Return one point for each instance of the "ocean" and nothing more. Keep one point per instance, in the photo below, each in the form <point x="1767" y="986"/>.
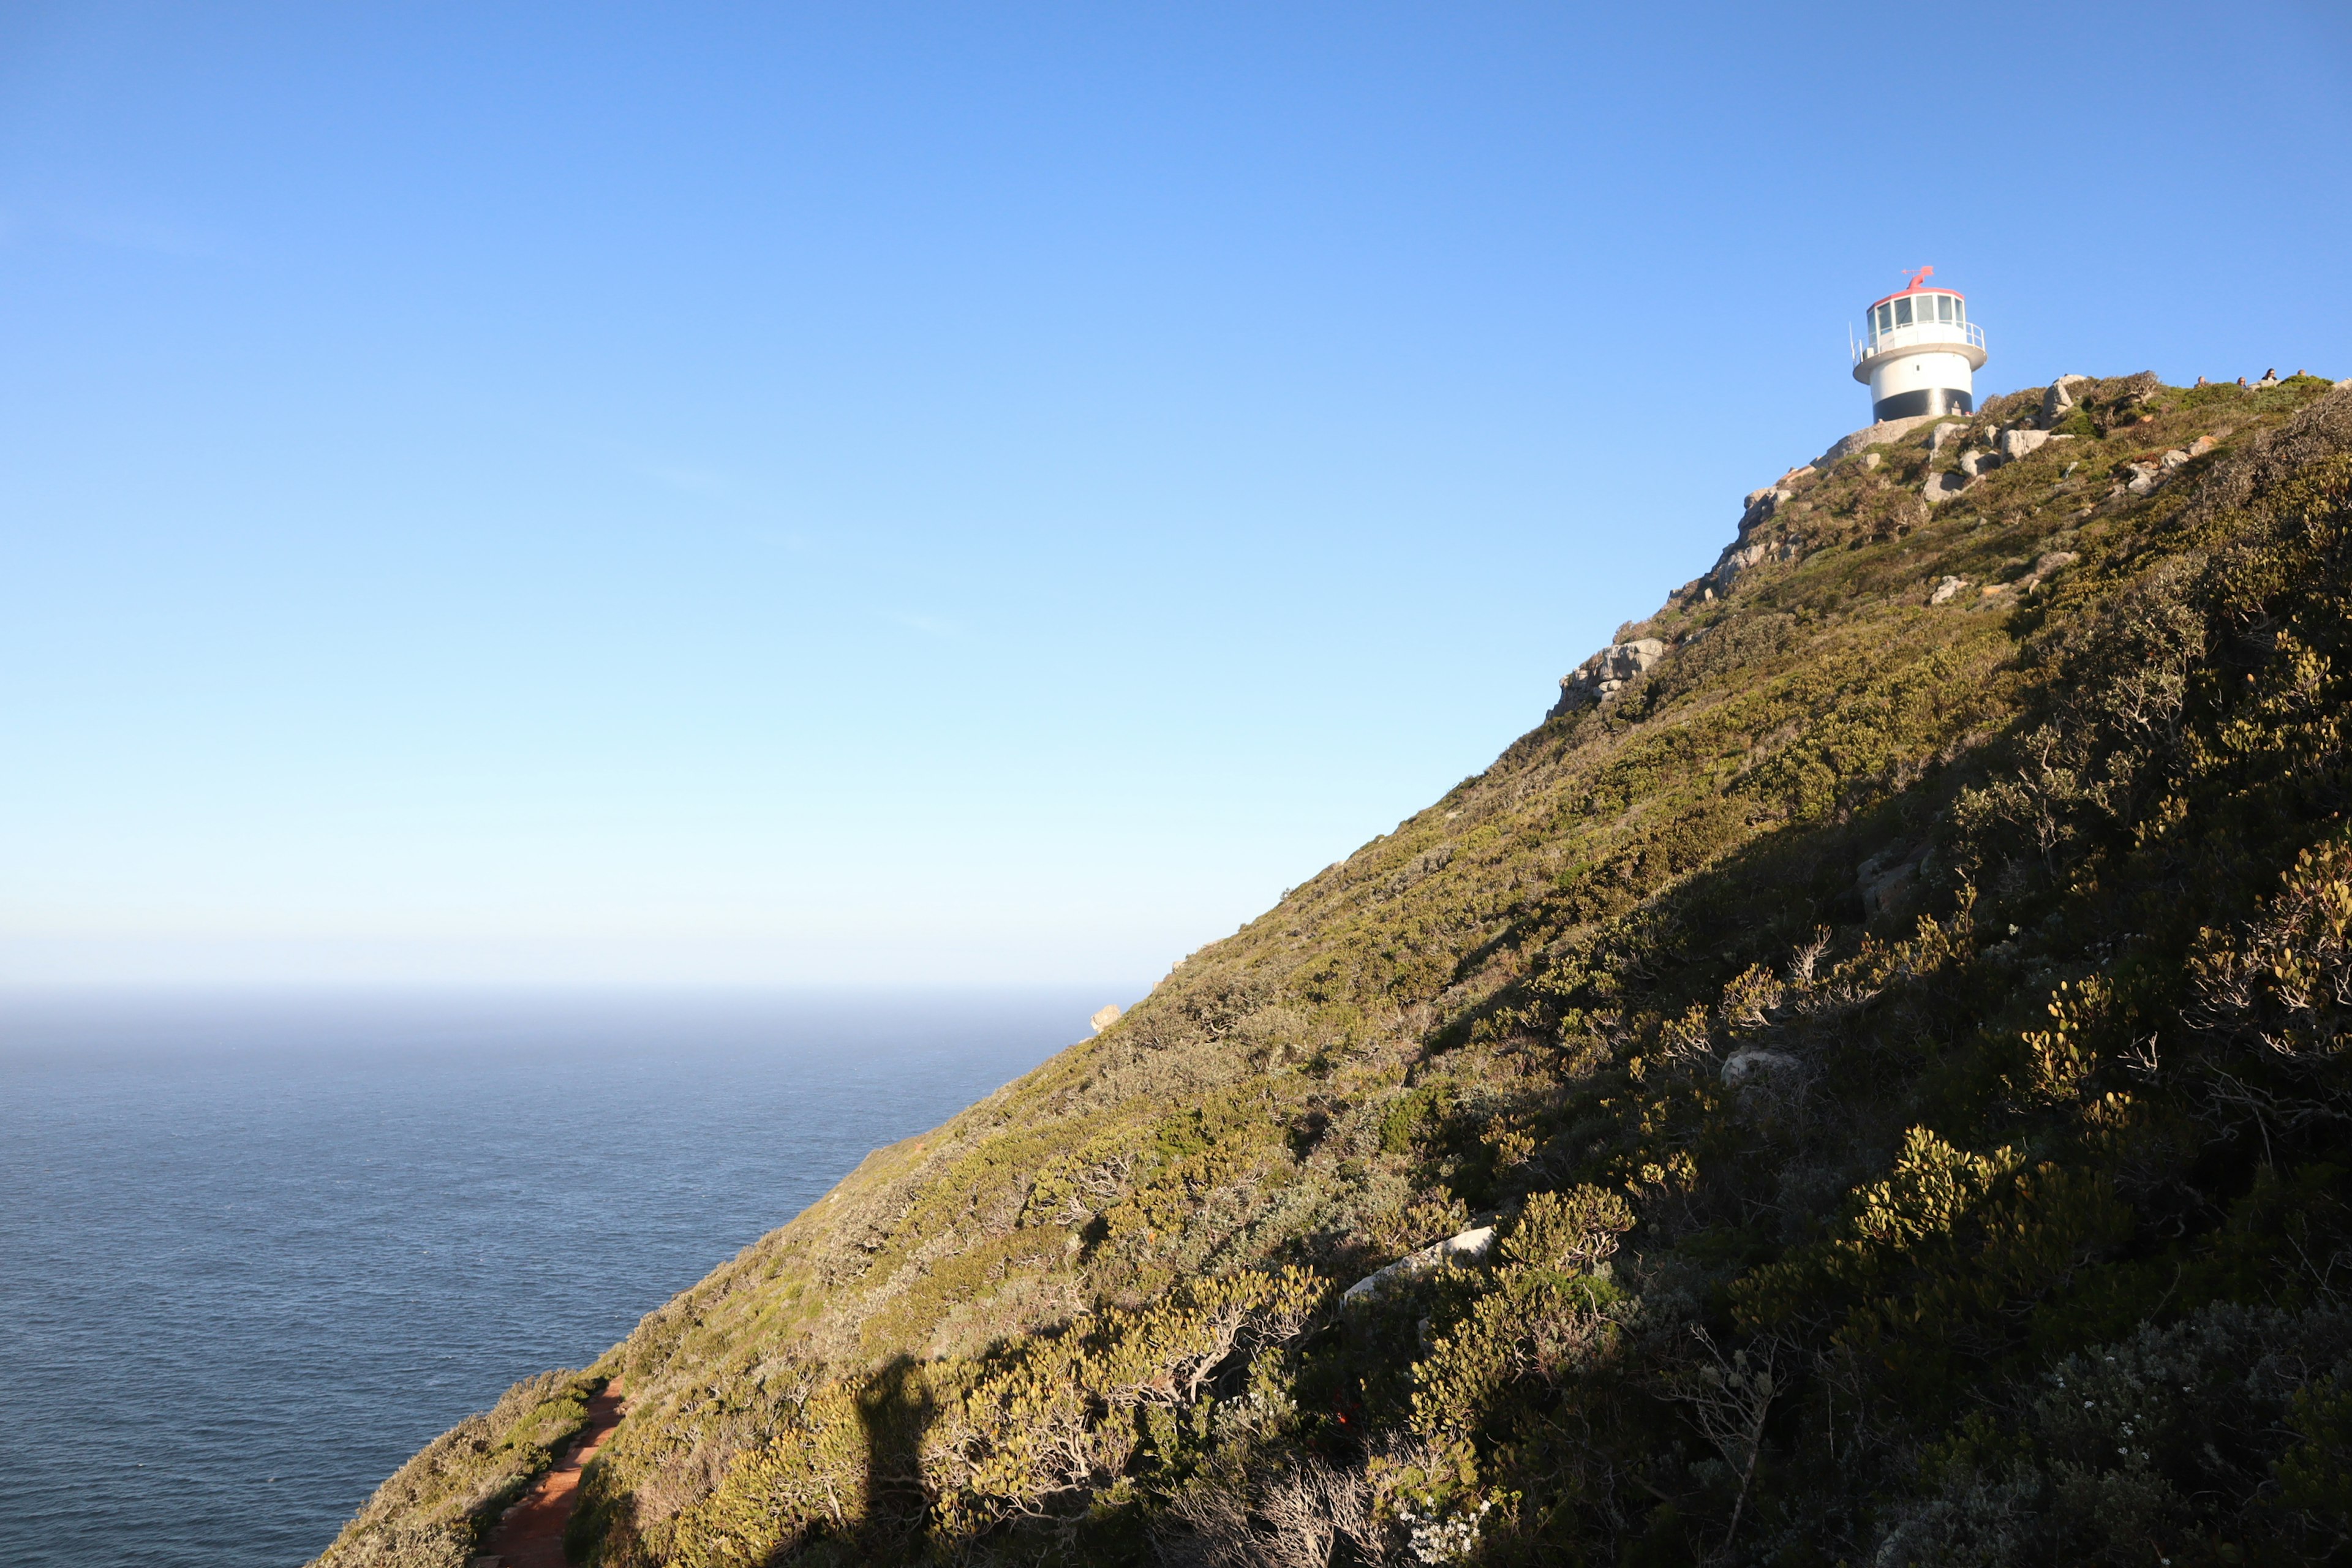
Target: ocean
<point x="254" y="1251"/>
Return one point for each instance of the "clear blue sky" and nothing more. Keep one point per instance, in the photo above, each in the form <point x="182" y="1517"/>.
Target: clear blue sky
<point x="769" y="494"/>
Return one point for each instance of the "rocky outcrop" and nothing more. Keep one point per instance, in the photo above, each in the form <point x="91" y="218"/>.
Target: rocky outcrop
<point x="1105" y="1018"/>
<point x="1605" y="674"/>
<point x="1872" y="436"/>
<point x="1470" y="1247"/>
<point x="1948" y="590"/>
<point x="1939" y="487"/>
<point x="1756" y="1064"/>
<point x="2049" y="566"/>
<point x="2016" y="444"/>
<point x="1886" y="881"/>
<point x="1759" y="505"/>
<point x="2009" y="445"/>
<point x="2058" y="399"/>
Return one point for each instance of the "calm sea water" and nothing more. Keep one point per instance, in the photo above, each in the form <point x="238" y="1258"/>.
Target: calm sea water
<point x="253" y="1252"/>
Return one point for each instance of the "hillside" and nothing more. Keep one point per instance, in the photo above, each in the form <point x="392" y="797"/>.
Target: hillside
<point x="1889" y="1016"/>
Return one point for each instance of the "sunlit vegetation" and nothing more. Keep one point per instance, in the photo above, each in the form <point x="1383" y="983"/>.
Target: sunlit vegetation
<point x="1900" y="1046"/>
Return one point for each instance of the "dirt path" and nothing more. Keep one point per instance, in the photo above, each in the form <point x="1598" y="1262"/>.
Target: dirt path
<point x="531" y="1533"/>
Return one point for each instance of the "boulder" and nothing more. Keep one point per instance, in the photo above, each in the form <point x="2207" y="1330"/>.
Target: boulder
<point x="1105" y="1018"/>
<point x="1755" y="1063"/>
<point x="1944" y="434"/>
<point x="1469" y="1247"/>
<point x="2049" y="566"/>
<point x="2016" y="444"/>
<point x="1760" y="506"/>
<point x="2057" y="399"/>
<point x="1872" y="436"/>
<point x="1946" y="590"/>
<point x="1606" y="673"/>
<point x="1941" y="487"/>
<point x="1886" y="880"/>
<point x="1976" y="465"/>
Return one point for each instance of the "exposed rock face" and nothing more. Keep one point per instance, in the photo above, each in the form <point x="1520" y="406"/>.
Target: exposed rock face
<point x="1941" y="487"/>
<point x="1760" y="507"/>
<point x="1871" y="436"/>
<point x="1104" y="1018"/>
<point x="2015" y="444"/>
<point x="2049" y="566"/>
<point x="2057" y="399"/>
<point x="1756" y="1063"/>
<point x="1946" y="590"/>
<point x="1604" y="675"/>
<point x="1886" y="881"/>
<point x="1944" y="435"/>
<point x="1974" y="465"/>
<point x="1468" y="1248"/>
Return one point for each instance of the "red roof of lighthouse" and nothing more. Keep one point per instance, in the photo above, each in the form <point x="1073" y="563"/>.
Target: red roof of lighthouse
<point x="1919" y="285"/>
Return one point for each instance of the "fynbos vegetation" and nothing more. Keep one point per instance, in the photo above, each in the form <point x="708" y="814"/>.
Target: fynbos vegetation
<point x="1898" y="1038"/>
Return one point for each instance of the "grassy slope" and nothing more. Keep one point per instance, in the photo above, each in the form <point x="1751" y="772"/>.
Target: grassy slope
<point x="2017" y="1106"/>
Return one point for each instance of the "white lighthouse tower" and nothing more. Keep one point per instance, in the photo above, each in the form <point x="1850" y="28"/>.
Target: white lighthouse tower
<point x="1919" y="353"/>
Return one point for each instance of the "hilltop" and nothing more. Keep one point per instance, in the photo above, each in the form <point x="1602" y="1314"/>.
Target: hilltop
<point x="1860" y="1081"/>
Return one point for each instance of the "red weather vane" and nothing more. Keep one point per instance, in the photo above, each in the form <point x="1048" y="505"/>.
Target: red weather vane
<point x="1917" y="279"/>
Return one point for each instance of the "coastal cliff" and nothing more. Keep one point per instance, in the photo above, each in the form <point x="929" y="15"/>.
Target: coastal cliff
<point x="1862" y="1080"/>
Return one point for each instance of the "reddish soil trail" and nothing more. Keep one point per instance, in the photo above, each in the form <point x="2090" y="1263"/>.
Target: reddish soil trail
<point x="531" y="1533"/>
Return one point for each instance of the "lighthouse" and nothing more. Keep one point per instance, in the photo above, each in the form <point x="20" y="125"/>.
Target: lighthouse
<point x="1919" y="353"/>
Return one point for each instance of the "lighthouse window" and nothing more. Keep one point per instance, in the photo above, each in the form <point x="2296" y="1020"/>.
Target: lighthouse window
<point x="1901" y="313"/>
<point x="1887" y="318"/>
<point x="1943" y="307"/>
<point x="1960" y="309"/>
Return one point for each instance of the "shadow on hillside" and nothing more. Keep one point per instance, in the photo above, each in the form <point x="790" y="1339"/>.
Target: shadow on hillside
<point x="896" y="1408"/>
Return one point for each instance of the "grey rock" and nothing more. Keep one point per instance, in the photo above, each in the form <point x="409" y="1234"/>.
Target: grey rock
<point x="1872" y="436"/>
<point x="2016" y="444"/>
<point x="2049" y="566"/>
<point x="1755" y="1062"/>
<point x="1944" y="435"/>
<point x="2057" y="399"/>
<point x="1976" y="465"/>
<point x="1469" y="1247"/>
<point x="1761" y="505"/>
<point x="1886" y="879"/>
<point x="1607" y="672"/>
<point x="1946" y="590"/>
<point x="1941" y="487"/>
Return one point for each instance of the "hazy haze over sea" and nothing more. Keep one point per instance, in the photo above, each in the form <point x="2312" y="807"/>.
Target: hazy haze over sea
<point x="257" y="1250"/>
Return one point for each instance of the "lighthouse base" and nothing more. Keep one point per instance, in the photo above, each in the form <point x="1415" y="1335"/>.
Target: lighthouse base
<point x="1926" y="401"/>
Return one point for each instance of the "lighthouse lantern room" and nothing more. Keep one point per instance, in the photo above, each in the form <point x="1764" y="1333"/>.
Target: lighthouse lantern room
<point x="1919" y="353"/>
